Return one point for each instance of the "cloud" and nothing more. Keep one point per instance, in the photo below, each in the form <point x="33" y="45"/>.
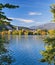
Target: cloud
<point x="35" y="13"/>
<point x="23" y="20"/>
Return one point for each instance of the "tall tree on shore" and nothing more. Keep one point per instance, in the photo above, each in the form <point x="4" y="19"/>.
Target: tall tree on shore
<point x="5" y="57"/>
<point x="49" y="52"/>
<point x="53" y="11"/>
<point x="2" y="14"/>
<point x="3" y="18"/>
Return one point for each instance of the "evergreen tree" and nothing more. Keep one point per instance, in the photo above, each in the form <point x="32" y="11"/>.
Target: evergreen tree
<point x="3" y="17"/>
<point x="53" y="11"/>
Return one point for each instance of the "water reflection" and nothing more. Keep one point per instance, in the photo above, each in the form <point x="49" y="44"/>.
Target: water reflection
<point x="49" y="52"/>
<point x="26" y="49"/>
<point x="5" y="57"/>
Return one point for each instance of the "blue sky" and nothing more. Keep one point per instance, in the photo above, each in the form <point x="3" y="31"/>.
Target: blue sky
<point x="30" y="12"/>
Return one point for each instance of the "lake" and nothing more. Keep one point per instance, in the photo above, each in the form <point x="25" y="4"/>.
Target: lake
<point x="25" y="49"/>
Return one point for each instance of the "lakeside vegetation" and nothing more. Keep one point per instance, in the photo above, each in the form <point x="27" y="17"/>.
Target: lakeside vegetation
<point x="49" y="45"/>
<point x="25" y="32"/>
<point x="28" y="32"/>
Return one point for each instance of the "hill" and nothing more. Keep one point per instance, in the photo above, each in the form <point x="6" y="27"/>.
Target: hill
<point x="47" y="26"/>
<point x="21" y="27"/>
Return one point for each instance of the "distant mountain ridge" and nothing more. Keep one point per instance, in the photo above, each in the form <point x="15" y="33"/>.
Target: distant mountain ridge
<point x="21" y="27"/>
<point x="47" y="26"/>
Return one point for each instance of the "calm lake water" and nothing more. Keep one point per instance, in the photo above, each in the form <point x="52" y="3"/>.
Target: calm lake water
<point x="25" y="49"/>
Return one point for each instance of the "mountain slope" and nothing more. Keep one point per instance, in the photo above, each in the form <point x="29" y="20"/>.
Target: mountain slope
<point x="21" y="27"/>
<point x="45" y="26"/>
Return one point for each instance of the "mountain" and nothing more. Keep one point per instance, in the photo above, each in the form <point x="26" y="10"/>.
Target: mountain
<point x="47" y="26"/>
<point x="8" y="26"/>
<point x="21" y="27"/>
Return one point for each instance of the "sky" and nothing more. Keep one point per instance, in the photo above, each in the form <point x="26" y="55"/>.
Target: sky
<point x="30" y="12"/>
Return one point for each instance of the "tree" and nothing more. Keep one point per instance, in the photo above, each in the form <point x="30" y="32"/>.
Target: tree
<point x="53" y="11"/>
<point x="5" y="58"/>
<point x="49" y="52"/>
<point x="3" y="17"/>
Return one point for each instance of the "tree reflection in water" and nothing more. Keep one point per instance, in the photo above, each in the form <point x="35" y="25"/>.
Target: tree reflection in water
<point x="5" y="57"/>
<point x="49" y="52"/>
